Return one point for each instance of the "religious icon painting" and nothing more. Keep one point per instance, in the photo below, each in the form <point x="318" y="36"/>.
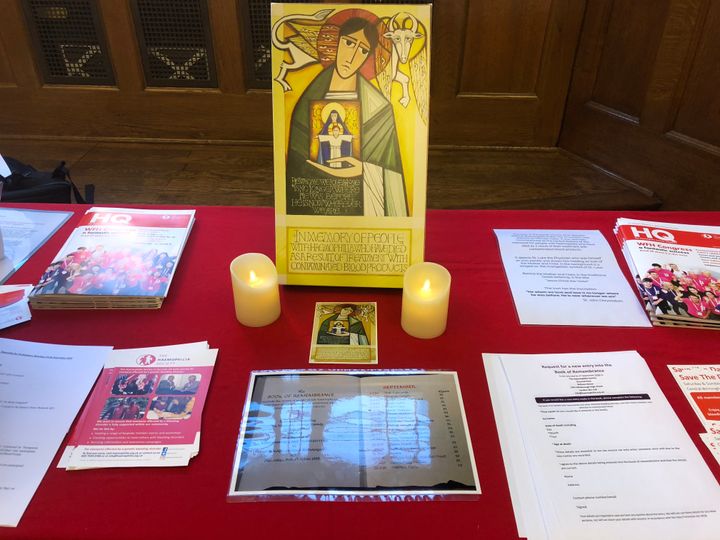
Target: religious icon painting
<point x="351" y="90"/>
<point x="335" y="132"/>
<point x="344" y="333"/>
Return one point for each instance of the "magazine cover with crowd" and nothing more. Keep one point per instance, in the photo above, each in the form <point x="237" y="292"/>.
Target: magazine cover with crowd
<point x="116" y="252"/>
<point x="676" y="268"/>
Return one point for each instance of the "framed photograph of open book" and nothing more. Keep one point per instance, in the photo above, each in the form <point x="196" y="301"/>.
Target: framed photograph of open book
<point x="353" y="433"/>
<point x="351" y="89"/>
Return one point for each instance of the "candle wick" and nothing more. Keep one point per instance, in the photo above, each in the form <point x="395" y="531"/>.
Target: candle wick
<point x="426" y="286"/>
<point x="253" y="277"/>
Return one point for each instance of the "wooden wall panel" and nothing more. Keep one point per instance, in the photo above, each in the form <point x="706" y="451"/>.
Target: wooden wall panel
<point x="634" y="29"/>
<point x="699" y="113"/>
<point x="500" y="75"/>
<point x="14" y="35"/>
<point x="7" y="78"/>
<point x="671" y="144"/>
<point x="225" y="22"/>
<point x="504" y="45"/>
<point x="123" y="48"/>
<point x="672" y="62"/>
<point x="516" y="101"/>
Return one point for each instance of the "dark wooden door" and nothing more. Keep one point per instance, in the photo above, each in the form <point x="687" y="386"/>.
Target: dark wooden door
<point x="644" y="101"/>
<point x="115" y="69"/>
<point x="501" y="70"/>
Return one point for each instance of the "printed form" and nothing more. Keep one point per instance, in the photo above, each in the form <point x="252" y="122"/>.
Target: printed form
<point x="42" y="387"/>
<point x="593" y="450"/>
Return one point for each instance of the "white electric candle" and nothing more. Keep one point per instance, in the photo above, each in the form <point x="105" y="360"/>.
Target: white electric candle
<point x="426" y="293"/>
<point x="255" y="289"/>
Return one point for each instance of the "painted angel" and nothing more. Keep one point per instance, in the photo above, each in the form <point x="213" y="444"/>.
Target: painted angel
<point x="402" y="39"/>
<point x="352" y="47"/>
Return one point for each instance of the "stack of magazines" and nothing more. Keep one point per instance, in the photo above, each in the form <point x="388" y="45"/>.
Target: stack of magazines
<point x="677" y="270"/>
<point x="116" y="258"/>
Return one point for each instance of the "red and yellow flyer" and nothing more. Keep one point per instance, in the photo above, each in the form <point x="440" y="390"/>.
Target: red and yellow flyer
<point x="701" y="386"/>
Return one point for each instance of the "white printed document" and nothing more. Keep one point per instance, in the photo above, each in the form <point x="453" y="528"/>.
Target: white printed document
<point x="594" y="451"/>
<point x="42" y="387"/>
<point x="567" y="277"/>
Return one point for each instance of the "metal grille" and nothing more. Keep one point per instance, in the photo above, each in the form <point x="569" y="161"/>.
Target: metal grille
<point x="257" y="27"/>
<point x="175" y="42"/>
<point x="69" y="41"/>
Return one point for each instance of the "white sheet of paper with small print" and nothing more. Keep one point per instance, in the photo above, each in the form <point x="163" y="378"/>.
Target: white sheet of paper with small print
<point x="567" y="277"/>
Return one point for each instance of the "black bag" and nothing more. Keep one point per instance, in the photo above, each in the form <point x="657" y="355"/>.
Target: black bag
<point x="26" y="184"/>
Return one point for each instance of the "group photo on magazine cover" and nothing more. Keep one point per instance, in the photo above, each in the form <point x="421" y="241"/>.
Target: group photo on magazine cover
<point x="668" y="289"/>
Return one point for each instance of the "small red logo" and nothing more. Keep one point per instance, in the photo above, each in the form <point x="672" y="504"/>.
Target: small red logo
<point x="146" y="360"/>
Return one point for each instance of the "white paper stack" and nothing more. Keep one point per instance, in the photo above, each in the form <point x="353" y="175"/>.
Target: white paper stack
<point x="677" y="269"/>
<point x="594" y="451"/>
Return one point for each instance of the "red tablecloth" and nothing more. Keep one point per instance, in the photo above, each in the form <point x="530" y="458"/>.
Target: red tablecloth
<point x="190" y="502"/>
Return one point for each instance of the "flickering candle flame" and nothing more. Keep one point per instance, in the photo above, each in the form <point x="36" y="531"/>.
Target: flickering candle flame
<point x="255" y="289"/>
<point x="426" y="294"/>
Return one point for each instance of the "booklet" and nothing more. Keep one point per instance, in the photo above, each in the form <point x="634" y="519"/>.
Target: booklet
<point x="122" y="258"/>
<point x="42" y="387"/>
<point x="567" y="277"/>
<point x="677" y="269"/>
<point x="593" y="450"/>
<point x="22" y="232"/>
<point x="344" y="333"/>
<point x="351" y="89"/>
<point x="145" y="410"/>
<point x="353" y="433"/>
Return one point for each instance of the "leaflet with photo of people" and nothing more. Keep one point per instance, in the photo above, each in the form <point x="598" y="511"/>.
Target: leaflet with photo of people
<point x="677" y="270"/>
<point x="145" y="410"/>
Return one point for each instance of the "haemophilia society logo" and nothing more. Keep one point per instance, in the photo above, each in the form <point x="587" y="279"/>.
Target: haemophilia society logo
<point x="146" y="360"/>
